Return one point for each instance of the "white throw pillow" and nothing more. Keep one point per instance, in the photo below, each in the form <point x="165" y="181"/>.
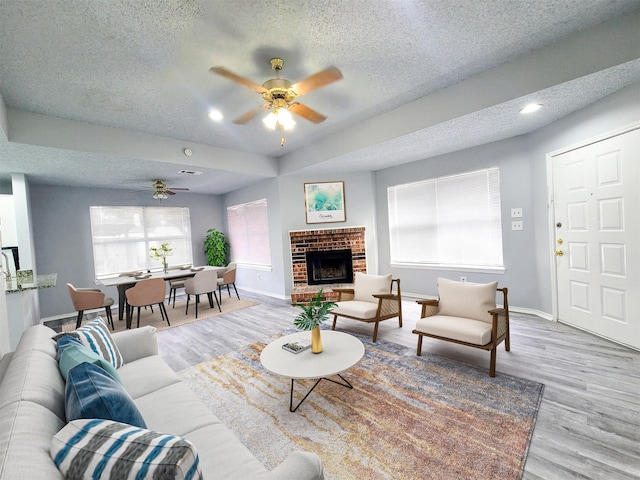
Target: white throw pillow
<point x="466" y="299"/>
<point x="366" y="285"/>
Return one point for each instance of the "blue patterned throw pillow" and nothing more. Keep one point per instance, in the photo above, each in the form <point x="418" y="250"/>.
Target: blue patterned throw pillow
<point x="91" y="392"/>
<point x="76" y="354"/>
<point x="95" y="335"/>
<point x="88" y="449"/>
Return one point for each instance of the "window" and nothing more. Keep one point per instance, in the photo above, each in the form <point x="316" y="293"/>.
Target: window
<point x="249" y="233"/>
<point x="122" y="237"/>
<point x="448" y="221"/>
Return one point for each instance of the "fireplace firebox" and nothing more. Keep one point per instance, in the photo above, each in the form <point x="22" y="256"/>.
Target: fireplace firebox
<point x="333" y="266"/>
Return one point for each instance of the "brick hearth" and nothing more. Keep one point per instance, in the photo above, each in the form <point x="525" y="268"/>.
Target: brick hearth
<point x="323" y="240"/>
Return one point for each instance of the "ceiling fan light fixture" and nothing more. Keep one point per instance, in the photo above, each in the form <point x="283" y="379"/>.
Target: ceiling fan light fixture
<point x="270" y="120"/>
<point x="215" y="115"/>
<point x="285" y="119"/>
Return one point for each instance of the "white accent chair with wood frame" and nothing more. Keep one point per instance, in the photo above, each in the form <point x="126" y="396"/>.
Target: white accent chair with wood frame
<point x="465" y="313"/>
<point x="372" y="299"/>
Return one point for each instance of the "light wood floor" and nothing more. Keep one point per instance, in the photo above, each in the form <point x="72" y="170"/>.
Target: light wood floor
<point x="588" y="426"/>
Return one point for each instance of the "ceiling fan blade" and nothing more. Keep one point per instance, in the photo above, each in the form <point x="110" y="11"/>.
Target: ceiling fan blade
<point x="179" y="189"/>
<point x="169" y="192"/>
<point x="307" y="113"/>
<point x="238" y="79"/>
<point x="242" y="119"/>
<point x="317" y="80"/>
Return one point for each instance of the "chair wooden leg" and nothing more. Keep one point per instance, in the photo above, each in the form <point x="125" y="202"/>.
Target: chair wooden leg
<point x="492" y="363"/>
<point x="79" y="319"/>
<point x="419" y="352"/>
<point x="333" y="327"/>
<point x="507" y="343"/>
<point x="400" y="320"/>
<point x="375" y="332"/>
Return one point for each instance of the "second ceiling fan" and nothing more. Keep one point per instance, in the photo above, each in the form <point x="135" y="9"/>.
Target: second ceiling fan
<point x="279" y="95"/>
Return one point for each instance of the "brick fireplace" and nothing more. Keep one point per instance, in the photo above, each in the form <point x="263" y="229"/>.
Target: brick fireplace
<point x="323" y="240"/>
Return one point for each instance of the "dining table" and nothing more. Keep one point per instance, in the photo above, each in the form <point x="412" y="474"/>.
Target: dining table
<point x="124" y="281"/>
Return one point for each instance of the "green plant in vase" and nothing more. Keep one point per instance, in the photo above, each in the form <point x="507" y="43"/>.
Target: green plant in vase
<point x="161" y="253"/>
<point x="313" y="314"/>
<point x="216" y="248"/>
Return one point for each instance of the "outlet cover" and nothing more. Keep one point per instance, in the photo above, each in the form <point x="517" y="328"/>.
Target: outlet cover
<point x="516" y="213"/>
<point x="517" y="225"/>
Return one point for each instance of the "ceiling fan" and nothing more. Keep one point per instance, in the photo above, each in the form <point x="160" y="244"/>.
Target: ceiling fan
<point x="162" y="192"/>
<point x="279" y="95"/>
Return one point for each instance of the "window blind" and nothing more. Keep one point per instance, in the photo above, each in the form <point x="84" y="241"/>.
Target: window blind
<point x="447" y="221"/>
<point x="248" y="225"/>
<point x="122" y="237"/>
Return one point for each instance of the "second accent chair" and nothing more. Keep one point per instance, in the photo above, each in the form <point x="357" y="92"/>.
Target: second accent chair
<point x="145" y="293"/>
<point x="372" y="299"/>
<point x="205" y="282"/>
<point x="465" y="313"/>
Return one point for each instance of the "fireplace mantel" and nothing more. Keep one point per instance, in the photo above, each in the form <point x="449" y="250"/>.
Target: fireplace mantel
<point x="317" y="240"/>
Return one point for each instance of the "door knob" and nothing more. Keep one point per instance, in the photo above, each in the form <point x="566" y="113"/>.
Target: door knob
<point x="558" y="253"/>
<point x="560" y="241"/>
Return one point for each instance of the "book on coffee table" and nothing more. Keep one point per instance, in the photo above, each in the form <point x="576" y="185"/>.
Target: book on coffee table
<point x="297" y="346"/>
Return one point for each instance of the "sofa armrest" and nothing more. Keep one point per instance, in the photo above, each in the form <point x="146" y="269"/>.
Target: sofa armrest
<point x="298" y="466"/>
<point x="136" y="343"/>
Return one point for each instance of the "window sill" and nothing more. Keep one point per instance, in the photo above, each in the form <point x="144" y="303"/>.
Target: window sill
<point x="451" y="268"/>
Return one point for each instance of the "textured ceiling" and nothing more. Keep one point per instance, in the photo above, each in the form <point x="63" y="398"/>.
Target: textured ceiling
<point x="142" y="66"/>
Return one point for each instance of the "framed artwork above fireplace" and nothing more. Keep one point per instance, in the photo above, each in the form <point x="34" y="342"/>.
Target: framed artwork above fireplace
<point x="324" y="202"/>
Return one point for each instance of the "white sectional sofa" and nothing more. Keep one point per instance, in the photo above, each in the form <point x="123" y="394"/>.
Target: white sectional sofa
<point x="32" y="411"/>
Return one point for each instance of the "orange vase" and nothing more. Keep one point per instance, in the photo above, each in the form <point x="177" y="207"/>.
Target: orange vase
<point x="316" y="340"/>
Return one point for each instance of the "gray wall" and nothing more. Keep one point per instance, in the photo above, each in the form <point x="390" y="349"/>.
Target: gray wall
<point x="523" y="183"/>
<point x="62" y="232"/>
<point x="285" y="200"/>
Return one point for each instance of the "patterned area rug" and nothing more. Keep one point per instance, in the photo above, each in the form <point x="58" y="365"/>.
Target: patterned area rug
<point x="408" y="417"/>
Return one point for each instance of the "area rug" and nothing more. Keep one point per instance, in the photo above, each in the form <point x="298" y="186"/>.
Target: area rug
<point x="177" y="315"/>
<point x="407" y="417"/>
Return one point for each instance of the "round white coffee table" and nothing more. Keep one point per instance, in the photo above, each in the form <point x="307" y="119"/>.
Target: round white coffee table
<point x="340" y="351"/>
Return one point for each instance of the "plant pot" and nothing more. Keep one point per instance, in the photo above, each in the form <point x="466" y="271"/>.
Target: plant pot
<point x="316" y="340"/>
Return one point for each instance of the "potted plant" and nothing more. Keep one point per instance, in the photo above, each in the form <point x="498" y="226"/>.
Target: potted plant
<point x="161" y="253"/>
<point x="313" y="314"/>
<point x="216" y="248"/>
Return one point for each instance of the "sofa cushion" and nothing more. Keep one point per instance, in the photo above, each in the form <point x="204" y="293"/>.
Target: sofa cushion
<point x="26" y="430"/>
<point x="93" y="393"/>
<point x="87" y="449"/>
<point x="356" y="308"/>
<point x="138" y="380"/>
<point x="32" y="374"/>
<point x="366" y="285"/>
<point x="95" y="335"/>
<point x="466" y="299"/>
<point x="76" y="354"/>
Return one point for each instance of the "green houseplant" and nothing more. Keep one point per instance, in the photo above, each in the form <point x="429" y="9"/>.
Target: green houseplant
<point x="313" y="314"/>
<point x="216" y="248"/>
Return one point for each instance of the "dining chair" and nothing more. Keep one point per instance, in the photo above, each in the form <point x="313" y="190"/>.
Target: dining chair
<point x="174" y="285"/>
<point x="146" y="293"/>
<point x="88" y="299"/>
<point x="204" y="282"/>
<point x="228" y="278"/>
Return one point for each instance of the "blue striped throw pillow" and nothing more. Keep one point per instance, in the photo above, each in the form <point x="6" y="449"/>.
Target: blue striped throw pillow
<point x="95" y="335"/>
<point x="90" y="449"/>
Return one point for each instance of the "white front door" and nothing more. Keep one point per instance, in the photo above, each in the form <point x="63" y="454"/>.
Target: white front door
<point x="596" y="202"/>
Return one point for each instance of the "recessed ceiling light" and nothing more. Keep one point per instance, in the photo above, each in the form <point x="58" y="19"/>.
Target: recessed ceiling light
<point x="215" y="115"/>
<point x="532" y="107"/>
